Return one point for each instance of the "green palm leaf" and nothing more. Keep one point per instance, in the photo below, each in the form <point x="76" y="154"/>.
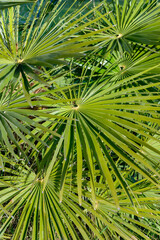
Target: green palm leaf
<point x="48" y="41"/>
<point x="134" y="21"/>
<point x="107" y="117"/>
<point x="43" y="207"/>
<point x="18" y="121"/>
<point x="44" y="211"/>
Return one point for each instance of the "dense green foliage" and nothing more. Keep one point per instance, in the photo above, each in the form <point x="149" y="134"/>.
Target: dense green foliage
<point x="79" y="120"/>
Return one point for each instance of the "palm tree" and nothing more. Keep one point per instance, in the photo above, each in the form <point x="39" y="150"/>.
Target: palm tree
<point x="79" y="122"/>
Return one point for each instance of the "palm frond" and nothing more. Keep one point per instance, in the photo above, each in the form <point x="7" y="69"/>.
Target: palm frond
<point x="45" y="41"/>
<point x="110" y="118"/>
<point x="27" y="202"/>
<point x="134" y="21"/>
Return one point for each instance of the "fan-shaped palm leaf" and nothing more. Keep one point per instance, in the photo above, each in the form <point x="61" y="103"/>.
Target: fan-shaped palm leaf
<point x="50" y="219"/>
<point x="110" y="117"/>
<point x="18" y="121"/>
<point x="134" y="21"/>
<point x="48" y="41"/>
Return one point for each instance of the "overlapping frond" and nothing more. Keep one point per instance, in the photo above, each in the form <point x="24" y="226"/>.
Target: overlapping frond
<point x="79" y="121"/>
